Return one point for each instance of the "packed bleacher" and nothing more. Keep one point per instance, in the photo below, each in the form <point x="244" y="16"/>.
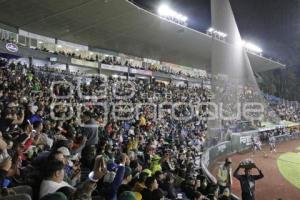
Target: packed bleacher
<point x="107" y="139"/>
<point x="138" y="155"/>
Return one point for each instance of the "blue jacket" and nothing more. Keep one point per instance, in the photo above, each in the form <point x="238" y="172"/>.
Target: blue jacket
<point x="112" y="190"/>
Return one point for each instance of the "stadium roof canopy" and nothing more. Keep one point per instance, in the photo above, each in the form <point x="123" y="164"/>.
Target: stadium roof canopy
<point x="119" y="26"/>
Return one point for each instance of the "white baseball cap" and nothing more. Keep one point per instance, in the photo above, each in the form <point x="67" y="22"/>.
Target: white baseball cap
<point x="64" y="150"/>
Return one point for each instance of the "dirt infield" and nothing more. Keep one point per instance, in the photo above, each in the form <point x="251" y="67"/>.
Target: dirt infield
<point x="273" y="185"/>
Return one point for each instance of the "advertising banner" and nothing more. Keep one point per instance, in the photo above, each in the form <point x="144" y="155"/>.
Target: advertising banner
<point x="140" y="71"/>
<point x="117" y="68"/>
<point x="84" y="63"/>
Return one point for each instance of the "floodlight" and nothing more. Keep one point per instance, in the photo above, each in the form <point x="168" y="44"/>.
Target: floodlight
<point x="59" y="46"/>
<point x="241" y="42"/>
<point x="216" y="33"/>
<point x="222" y="34"/>
<point x="252" y="47"/>
<point x="210" y="29"/>
<point x="165" y="11"/>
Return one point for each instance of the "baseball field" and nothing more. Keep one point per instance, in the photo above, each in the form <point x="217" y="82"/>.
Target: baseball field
<point x="281" y="171"/>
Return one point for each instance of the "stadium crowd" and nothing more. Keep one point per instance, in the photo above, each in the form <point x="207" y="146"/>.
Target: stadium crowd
<point x="121" y="142"/>
<point x="42" y="158"/>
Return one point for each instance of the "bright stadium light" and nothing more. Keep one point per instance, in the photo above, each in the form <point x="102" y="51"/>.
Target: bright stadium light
<point x="210" y="30"/>
<point x="184" y="18"/>
<point x="216" y="33"/>
<point x="165" y="11"/>
<point x="222" y="34"/>
<point x="251" y="47"/>
<point x="59" y="46"/>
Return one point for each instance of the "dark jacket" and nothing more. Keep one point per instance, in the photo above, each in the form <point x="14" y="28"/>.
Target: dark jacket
<point x="146" y="194"/>
<point x="248" y="184"/>
<point x="91" y="132"/>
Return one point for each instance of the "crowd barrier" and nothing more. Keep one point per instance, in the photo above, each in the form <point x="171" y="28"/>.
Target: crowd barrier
<point x="239" y="142"/>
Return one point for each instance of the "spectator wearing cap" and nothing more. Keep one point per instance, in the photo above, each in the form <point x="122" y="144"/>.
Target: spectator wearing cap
<point x="111" y="166"/>
<point x="108" y="178"/>
<point x="225" y="175"/>
<point x="65" y="152"/>
<point x="72" y="172"/>
<point x="112" y="190"/>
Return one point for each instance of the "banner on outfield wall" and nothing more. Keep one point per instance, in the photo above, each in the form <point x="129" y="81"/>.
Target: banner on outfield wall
<point x="241" y="141"/>
<point x="246" y="140"/>
<point x="84" y="63"/>
<point x="117" y="68"/>
<point x="140" y="71"/>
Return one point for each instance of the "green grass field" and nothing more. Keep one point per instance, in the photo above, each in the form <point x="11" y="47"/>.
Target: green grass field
<point x="289" y="166"/>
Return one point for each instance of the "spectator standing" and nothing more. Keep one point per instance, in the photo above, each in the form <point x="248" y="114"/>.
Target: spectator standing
<point x="90" y="129"/>
<point x="225" y="175"/>
<point x="247" y="182"/>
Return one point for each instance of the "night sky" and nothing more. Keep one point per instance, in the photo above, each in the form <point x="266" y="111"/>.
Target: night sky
<point x="274" y="25"/>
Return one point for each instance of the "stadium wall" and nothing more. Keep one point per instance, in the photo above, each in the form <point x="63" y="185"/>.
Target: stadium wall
<point x="239" y="142"/>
